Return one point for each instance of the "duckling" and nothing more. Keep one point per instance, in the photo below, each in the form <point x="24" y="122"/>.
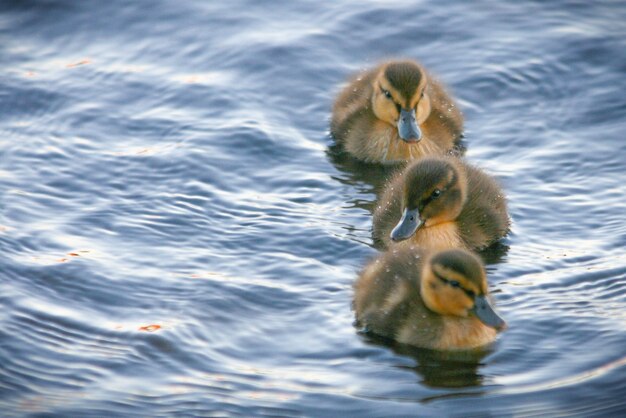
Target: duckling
<point x="442" y="202"/>
<point x="435" y="300"/>
<point x="396" y="112"/>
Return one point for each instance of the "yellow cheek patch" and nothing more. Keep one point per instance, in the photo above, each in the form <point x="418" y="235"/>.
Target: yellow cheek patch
<point x="384" y="108"/>
<point x="445" y="300"/>
<point x="423" y="109"/>
<point x="417" y="96"/>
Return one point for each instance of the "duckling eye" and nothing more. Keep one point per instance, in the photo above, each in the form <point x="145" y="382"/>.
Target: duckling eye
<point x="435" y="194"/>
<point x="454" y="283"/>
<point x="387" y="93"/>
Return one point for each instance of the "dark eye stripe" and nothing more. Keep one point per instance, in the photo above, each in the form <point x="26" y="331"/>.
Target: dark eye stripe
<point x="431" y="197"/>
<point x="441" y="278"/>
<point x="469" y="293"/>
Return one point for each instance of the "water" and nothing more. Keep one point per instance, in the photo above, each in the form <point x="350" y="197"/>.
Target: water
<point x="179" y="236"/>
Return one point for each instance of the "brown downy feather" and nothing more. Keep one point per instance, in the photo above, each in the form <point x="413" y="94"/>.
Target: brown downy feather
<point x="400" y="295"/>
<point x="368" y="137"/>
<point x="472" y="214"/>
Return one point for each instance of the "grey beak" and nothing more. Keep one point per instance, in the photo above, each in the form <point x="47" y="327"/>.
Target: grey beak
<point x="409" y="223"/>
<point x="407" y="126"/>
<point x="486" y="314"/>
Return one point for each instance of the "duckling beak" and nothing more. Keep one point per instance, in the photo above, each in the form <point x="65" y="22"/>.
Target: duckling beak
<point x="409" y="223"/>
<point x="483" y="310"/>
<point x="408" y="129"/>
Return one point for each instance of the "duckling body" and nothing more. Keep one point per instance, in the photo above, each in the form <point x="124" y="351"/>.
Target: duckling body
<point x="432" y="300"/>
<point x="395" y="112"/>
<point x="439" y="203"/>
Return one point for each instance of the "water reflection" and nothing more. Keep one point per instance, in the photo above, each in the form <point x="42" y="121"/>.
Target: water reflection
<point x="438" y="369"/>
<point x="374" y="175"/>
<point x="495" y="253"/>
<point x="359" y="173"/>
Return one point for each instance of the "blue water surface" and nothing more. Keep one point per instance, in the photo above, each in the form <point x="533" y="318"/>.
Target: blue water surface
<point x="179" y="237"/>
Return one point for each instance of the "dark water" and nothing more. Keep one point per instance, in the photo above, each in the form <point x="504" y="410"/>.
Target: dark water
<point x="177" y="239"/>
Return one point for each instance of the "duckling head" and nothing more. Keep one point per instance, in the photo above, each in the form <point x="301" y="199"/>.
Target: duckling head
<point x="454" y="283"/>
<point x="434" y="192"/>
<point x="399" y="98"/>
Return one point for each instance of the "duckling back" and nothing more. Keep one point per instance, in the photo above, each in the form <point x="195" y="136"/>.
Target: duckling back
<point x="484" y="218"/>
<point x="387" y="298"/>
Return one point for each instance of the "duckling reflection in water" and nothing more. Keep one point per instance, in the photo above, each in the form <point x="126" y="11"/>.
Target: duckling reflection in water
<point x="437" y="368"/>
<point x="432" y="300"/>
<point x="439" y="203"/>
<point x="396" y="112"/>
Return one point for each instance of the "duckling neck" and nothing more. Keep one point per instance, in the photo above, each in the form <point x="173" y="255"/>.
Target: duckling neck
<point x="463" y="333"/>
<point x="441" y="236"/>
<point x="387" y="146"/>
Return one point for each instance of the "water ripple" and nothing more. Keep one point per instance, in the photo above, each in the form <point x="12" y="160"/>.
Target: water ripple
<point x="180" y="236"/>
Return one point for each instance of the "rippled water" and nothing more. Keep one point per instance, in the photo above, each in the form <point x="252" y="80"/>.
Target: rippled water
<point x="179" y="236"/>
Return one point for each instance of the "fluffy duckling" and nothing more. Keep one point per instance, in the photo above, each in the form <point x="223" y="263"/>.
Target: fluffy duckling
<point x="431" y="300"/>
<point x="442" y="202"/>
<point x="395" y="112"/>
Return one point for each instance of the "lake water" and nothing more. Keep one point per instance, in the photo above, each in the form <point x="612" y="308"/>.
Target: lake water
<point x="178" y="236"/>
